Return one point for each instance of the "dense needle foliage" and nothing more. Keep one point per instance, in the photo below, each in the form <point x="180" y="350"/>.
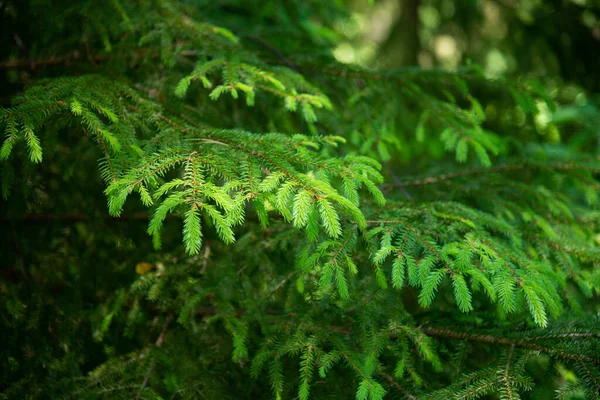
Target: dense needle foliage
<point x="200" y="201"/>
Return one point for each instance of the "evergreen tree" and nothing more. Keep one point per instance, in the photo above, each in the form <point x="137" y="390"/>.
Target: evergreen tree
<point x="315" y="229"/>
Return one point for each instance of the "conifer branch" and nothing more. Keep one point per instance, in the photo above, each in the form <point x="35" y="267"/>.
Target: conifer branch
<point x="503" y="341"/>
<point x="497" y="168"/>
<point x="289" y="257"/>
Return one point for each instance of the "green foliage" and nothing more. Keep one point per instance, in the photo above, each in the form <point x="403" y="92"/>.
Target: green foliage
<point x="406" y="244"/>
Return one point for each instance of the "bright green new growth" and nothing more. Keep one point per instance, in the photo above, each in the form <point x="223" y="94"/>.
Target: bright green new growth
<point x="325" y="278"/>
<point x="204" y="155"/>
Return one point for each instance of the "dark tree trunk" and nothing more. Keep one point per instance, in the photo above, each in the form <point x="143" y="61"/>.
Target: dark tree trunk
<point x="402" y="46"/>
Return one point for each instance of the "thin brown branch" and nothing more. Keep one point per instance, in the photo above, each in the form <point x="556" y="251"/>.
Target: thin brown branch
<point x="73" y="218"/>
<point x="453" y="175"/>
<point x="76" y="57"/>
<point x="283" y="281"/>
<point x="158" y="343"/>
<point x="477" y="171"/>
<point x="445" y="333"/>
<point x="397" y="386"/>
<point x="502" y="341"/>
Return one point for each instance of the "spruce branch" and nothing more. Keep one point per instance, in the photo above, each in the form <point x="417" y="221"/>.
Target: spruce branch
<point x="504" y="341"/>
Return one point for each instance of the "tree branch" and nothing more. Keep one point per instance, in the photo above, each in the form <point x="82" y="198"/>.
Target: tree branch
<point x="445" y="333"/>
<point x="158" y="343"/>
<point x="75" y="57"/>
<point x="502" y="341"/>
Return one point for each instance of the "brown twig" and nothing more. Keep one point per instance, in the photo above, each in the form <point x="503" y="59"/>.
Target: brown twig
<point x="397" y="386"/>
<point x="73" y="218"/>
<point x="158" y="343"/>
<point x="498" y="168"/>
<point x="283" y="281"/>
<point x="502" y="341"/>
<point x="75" y="57"/>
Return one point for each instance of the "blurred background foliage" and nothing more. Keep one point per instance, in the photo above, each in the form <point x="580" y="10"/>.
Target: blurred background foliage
<point x="555" y="42"/>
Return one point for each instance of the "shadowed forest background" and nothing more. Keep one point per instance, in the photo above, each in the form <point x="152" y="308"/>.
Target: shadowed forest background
<point x="300" y="199"/>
